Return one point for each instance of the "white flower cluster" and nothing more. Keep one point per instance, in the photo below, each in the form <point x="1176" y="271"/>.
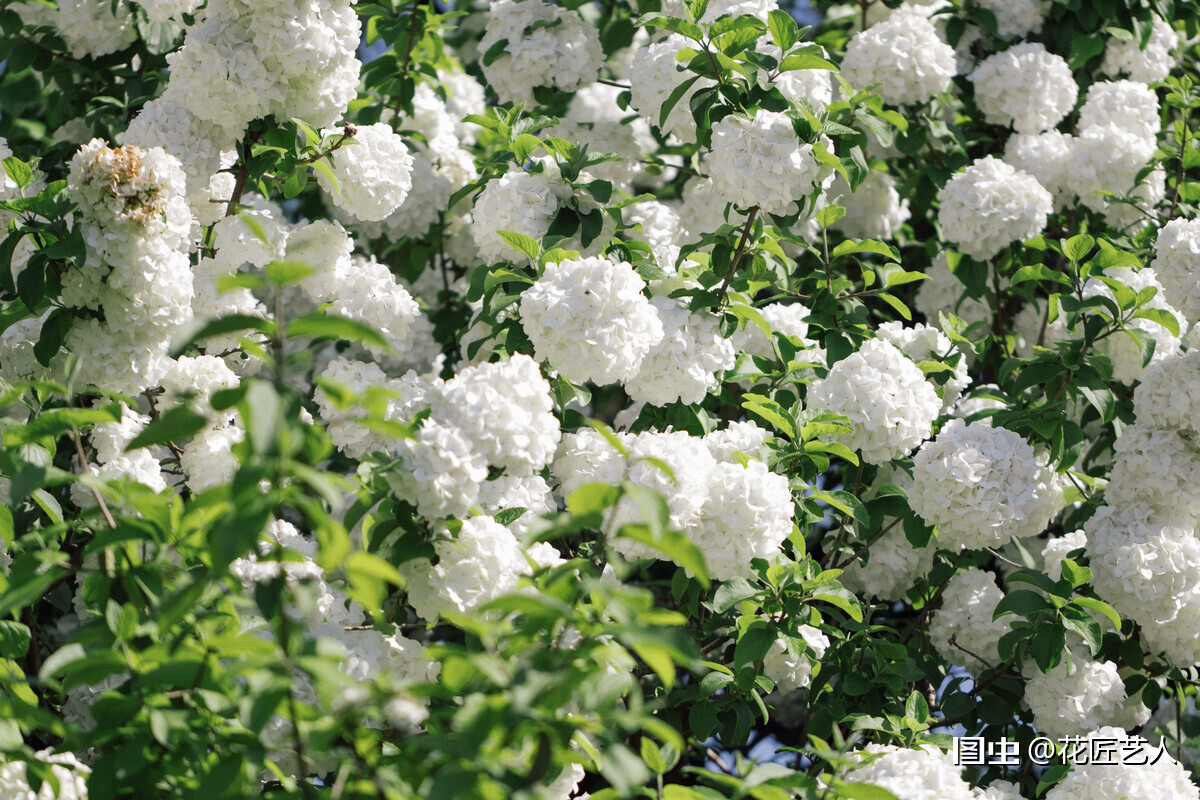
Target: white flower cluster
<point x="400" y="399"/>
<point x="922" y="342"/>
<point x="684" y="364"/>
<point x="1093" y="695"/>
<point x="374" y="172"/>
<point x="943" y="291"/>
<point x="924" y="773"/>
<point x="1149" y="64"/>
<point x="906" y="53"/>
<point x="163" y="10"/>
<point x="732" y="513"/>
<point x="595" y="119"/>
<point x="1026" y="87"/>
<point x="541" y="42"/>
<point x="990" y="204"/>
<point x="1124" y="353"/>
<point x="589" y="320"/>
<point x="94" y="28"/>
<point x="520" y="202"/>
<point x="885" y="396"/>
<point x="654" y="76"/>
<point x="1015" y="18"/>
<point x="791" y="667"/>
<point x="981" y="486"/>
<point x="1113" y="143"/>
<point x="761" y="162"/>
<point x="1177" y="265"/>
<point x="67" y="769"/>
<point x="1048" y="157"/>
<point x="136" y="224"/>
<point x="874" y="210"/>
<point x="1165" y="778"/>
<point x="966" y="617"/>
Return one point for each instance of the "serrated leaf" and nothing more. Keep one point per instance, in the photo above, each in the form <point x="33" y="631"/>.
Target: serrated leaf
<point x="177" y="424"/>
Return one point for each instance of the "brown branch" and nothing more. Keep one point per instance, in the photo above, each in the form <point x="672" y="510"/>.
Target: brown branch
<point x="735" y="264"/>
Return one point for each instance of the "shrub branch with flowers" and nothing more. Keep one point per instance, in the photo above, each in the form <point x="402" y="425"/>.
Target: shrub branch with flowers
<point x="634" y="398"/>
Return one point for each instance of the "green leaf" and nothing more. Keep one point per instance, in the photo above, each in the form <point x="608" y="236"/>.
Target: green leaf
<point x="784" y="30"/>
<point x="851" y="246"/>
<point x="896" y="304"/>
<point x="334" y="327"/>
<point x="285" y="273"/>
<point x="1077" y="247"/>
<point x="837" y="596"/>
<point x="830" y="214"/>
<point x="1099" y="606"/>
<point x="368" y="576"/>
<point x="805" y="61"/>
<point x="1161" y="316"/>
<point x="593" y="498"/>
<point x="1040" y="272"/>
<point x="295" y="182"/>
<point x="494" y="52"/>
<point x="19" y="171"/>
<point x="673" y="24"/>
<point x="177" y="424"/>
<point x="14" y="639"/>
<point x="1021" y="602"/>
<point x="754" y="643"/>
<point x="672" y="544"/>
<point x="732" y="592"/>
<point x="200" y="329"/>
<point x="522" y="243"/>
<point x="772" y="412"/>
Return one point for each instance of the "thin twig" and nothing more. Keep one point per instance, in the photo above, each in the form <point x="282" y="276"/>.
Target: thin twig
<point x="737" y="258"/>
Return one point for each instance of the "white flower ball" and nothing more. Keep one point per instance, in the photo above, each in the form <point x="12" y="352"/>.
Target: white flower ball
<point x="981" y="486"/>
<point x="1016" y="18"/>
<point x="1170" y="456"/>
<point x="906" y="53"/>
<point x="374" y="172"/>
<point x="521" y="202"/>
<point x="1125" y="354"/>
<point x="441" y="471"/>
<point x="788" y="665"/>
<point x="1047" y="156"/>
<point x="1169" y="391"/>
<point x="761" y="162"/>
<point x="989" y="205"/>
<point x="925" y="343"/>
<point x="924" y="773"/>
<point x="966" y="616"/>
<point x="1150" y="65"/>
<point x="1128" y="105"/>
<point x="654" y="75"/>
<point x="1177" y="264"/>
<point x="874" y="210"/>
<point x="683" y="366"/>
<point x="748" y="513"/>
<point x="505" y="410"/>
<point x="589" y="319"/>
<point x="1091" y="696"/>
<point x="886" y="398"/>
<point x="1124" y="780"/>
<point x="1025" y="87"/>
<point x="541" y="41"/>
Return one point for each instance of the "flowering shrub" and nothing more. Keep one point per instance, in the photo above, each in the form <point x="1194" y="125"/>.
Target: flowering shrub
<point x="625" y="399"/>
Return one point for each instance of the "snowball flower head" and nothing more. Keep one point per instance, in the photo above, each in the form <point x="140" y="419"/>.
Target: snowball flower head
<point x="747" y="513"/>
<point x="505" y="410"/>
<point x="539" y="39"/>
<point x="521" y="202"/>
<point x="981" y="486"/>
<point x="990" y="204"/>
<point x="1177" y="264"/>
<point x="761" y="162"/>
<point x="885" y="396"/>
<point x="655" y="74"/>
<point x="684" y="364"/>
<point x="1049" y="157"/>
<point x="374" y="173"/>
<point x="589" y="319"/>
<point x="874" y="210"/>
<point x="1152" y="64"/>
<point x="67" y="769"/>
<point x="789" y="662"/>
<point x="1124" y="778"/>
<point x="1025" y="86"/>
<point x="1128" y="105"/>
<point x="1015" y="18"/>
<point x="924" y="773"/>
<point x="907" y="53"/>
<point x="1091" y="696"/>
<point x="968" y="602"/>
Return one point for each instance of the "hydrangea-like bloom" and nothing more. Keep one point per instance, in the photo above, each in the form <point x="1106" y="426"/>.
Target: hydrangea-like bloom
<point x="990" y="204"/>
<point x="966" y="616"/>
<point x="684" y="364"/>
<point x="208" y="459"/>
<point x="886" y="398"/>
<point x="1125" y="354"/>
<point x="1170" y="391"/>
<point x="746" y="514"/>
<point x="1128" y="105"/>
<point x="1125" y="778"/>
<point x="924" y="773"/>
<point x="441" y="471"/>
<point x="1056" y="550"/>
<point x="95" y="27"/>
<point x="521" y="202"/>
<point x="67" y="769"/>
<point x="1170" y="457"/>
<point x="481" y="563"/>
<point x="922" y="342"/>
<point x="790" y="668"/>
<point x="374" y="173"/>
<point x="505" y="410"/>
<point x="1015" y="18"/>
<point x="761" y="162"/>
<point x="1177" y="264"/>
<point x="1025" y="86"/>
<point x="542" y="42"/>
<point x="163" y="10"/>
<point x="1150" y="65"/>
<point x="595" y="119"/>
<point x="589" y="319"/>
<point x="906" y="53"/>
<point x="740" y="437"/>
<point x="943" y="291"/>
<point x="874" y="210"/>
<point x="655" y="74"/>
<point x="1093" y="695"/>
<point x="1049" y="157"/>
<point x="981" y="486"/>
